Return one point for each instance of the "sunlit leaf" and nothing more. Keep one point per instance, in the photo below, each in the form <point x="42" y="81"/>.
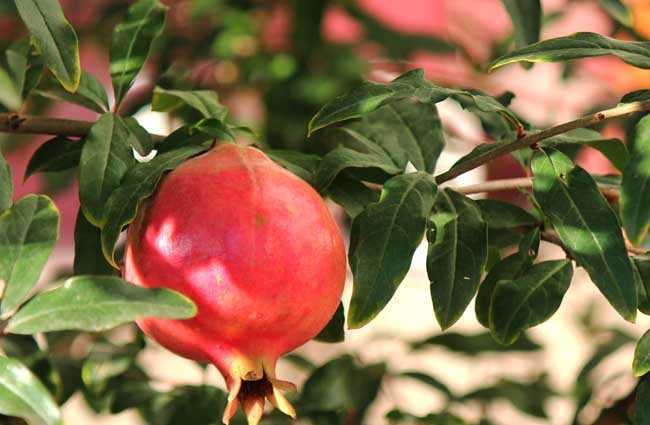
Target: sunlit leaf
<point x="28" y="232"/>
<point x="9" y="96"/>
<point x="613" y="149"/>
<point x="97" y="303"/>
<point x="641" y="364"/>
<point x="635" y="190"/>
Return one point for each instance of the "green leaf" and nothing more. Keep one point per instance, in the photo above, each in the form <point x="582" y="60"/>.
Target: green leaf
<point x="139" y="182"/>
<point x="509" y="268"/>
<point x="204" y="101"/>
<point x="635" y="96"/>
<point x="642" y="403"/>
<point x="90" y="94"/>
<point x="641" y="363"/>
<point x="370" y="96"/>
<point x="28" y="232"/>
<point x="613" y="149"/>
<point x="351" y="194"/>
<point x="475" y="344"/>
<point x="97" y="303"/>
<point x="504" y="215"/>
<point x="17" y="55"/>
<point x="54" y="37"/>
<point x="587" y="226"/>
<point x="528" y="300"/>
<point x="641" y="265"/>
<point x="139" y="138"/>
<point x="430" y="381"/>
<point x="299" y="163"/>
<point x="480" y="151"/>
<point x="105" y="157"/>
<point x="24" y="396"/>
<point x="57" y="154"/>
<point x="106" y="361"/>
<point x="456" y="256"/>
<point x="88" y="256"/>
<point x="131" y="42"/>
<point x="382" y="242"/>
<point x="9" y="96"/>
<point x="526" y="17"/>
<point x="635" y="189"/>
<point x="216" y="128"/>
<point x="618" y="11"/>
<point x="6" y="184"/>
<point x="334" y="331"/>
<point x="580" y="45"/>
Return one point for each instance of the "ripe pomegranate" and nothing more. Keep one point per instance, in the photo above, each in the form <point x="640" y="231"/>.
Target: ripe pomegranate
<point x="257" y="251"/>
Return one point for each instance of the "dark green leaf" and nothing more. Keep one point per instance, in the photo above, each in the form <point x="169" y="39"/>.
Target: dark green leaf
<point x="528" y="300"/>
<point x="587" y="226"/>
<point x="54" y="37"/>
<point x="24" y="396"/>
<point x="6" y="184"/>
<point x="618" y="11"/>
<point x="28" y="232"/>
<point x="508" y="268"/>
<point x="90" y="94"/>
<point x="105" y="361"/>
<point x="430" y="381"/>
<point x="479" y="151"/>
<point x="57" y="154"/>
<point x="641" y="265"/>
<point x="474" y="344"/>
<point x="636" y="96"/>
<point x="97" y="303"/>
<point x="334" y="331"/>
<point x="370" y="96"/>
<point x="642" y="404"/>
<point x="382" y="242"/>
<point x="457" y="256"/>
<point x="641" y="364"/>
<point x="504" y="215"/>
<point x="105" y="157"/>
<point x="351" y="194"/>
<point x="580" y="45"/>
<point x="139" y="138"/>
<point x="187" y="135"/>
<point x="613" y="149"/>
<point x="397" y="417"/>
<point x="131" y="42"/>
<point x="88" y="256"/>
<point x="526" y="17"/>
<point x="187" y="404"/>
<point x="635" y="190"/>
<point x="215" y="128"/>
<point x="301" y="164"/>
<point x="204" y="101"/>
<point x="139" y="182"/>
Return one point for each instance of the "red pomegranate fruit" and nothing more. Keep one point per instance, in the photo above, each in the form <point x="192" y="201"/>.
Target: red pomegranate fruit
<point x="257" y="251"/>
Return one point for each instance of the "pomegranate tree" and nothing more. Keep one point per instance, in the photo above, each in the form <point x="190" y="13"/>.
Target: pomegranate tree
<point x="258" y="252"/>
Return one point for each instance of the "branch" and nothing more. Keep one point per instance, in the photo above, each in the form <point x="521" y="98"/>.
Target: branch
<point x="586" y="121"/>
<point x="518" y="183"/>
<point x="552" y="237"/>
<point x="26" y="124"/>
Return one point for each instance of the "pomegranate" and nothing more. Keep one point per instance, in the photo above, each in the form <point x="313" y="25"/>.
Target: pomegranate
<point x="257" y="251"/>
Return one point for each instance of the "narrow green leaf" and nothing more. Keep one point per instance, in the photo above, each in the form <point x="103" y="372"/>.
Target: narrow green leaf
<point x="369" y="96"/>
<point x="613" y="149"/>
<point x="90" y="94"/>
<point x="528" y="300"/>
<point x="54" y="37"/>
<point x="509" y="268"/>
<point x="580" y="45"/>
<point x="57" y="154"/>
<point x="138" y="137"/>
<point x="641" y="363"/>
<point x="382" y="242"/>
<point x="480" y="151"/>
<point x="139" y="182"/>
<point x="618" y="11"/>
<point x="216" y="128"/>
<point x="88" y="255"/>
<point x="28" y="232"/>
<point x="204" y="101"/>
<point x="131" y="42"/>
<point x="334" y="331"/>
<point x="526" y="17"/>
<point x="635" y="189"/>
<point x="635" y="96"/>
<point x="9" y="96"/>
<point x="457" y="255"/>
<point x="475" y="344"/>
<point x="97" y="303"/>
<point x="430" y="381"/>
<point x="301" y="164"/>
<point x="17" y="60"/>
<point x="587" y="225"/>
<point x="642" y="403"/>
<point x="24" y="396"/>
<point x="105" y="157"/>
<point x="641" y="265"/>
<point x="352" y="195"/>
<point x="504" y="215"/>
<point x="6" y="184"/>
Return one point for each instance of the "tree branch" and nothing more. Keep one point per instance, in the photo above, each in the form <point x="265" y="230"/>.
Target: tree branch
<point x="586" y="121"/>
<point x="552" y="237"/>
<point x="517" y="183"/>
<point x="26" y="124"/>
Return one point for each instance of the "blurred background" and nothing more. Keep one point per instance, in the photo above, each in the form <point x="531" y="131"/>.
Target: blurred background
<point x="274" y="63"/>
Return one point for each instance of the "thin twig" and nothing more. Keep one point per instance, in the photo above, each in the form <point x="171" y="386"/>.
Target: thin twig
<point x="586" y="121"/>
<point x="27" y="124"/>
<point x="518" y="183"/>
<point x="552" y="237"/>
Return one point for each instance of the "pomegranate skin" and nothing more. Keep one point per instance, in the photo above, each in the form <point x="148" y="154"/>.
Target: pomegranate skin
<point x="257" y="251"/>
